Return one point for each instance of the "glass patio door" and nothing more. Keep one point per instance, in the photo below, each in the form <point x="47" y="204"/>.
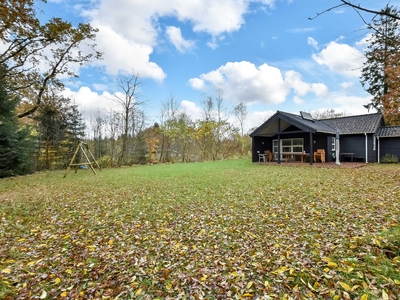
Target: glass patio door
<point x="288" y="145"/>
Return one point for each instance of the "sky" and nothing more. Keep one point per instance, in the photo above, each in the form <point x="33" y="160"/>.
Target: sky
<point x="267" y="54"/>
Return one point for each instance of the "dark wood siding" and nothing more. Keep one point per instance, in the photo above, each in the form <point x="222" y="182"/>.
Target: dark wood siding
<point x="356" y="144"/>
<point x="390" y="145"/>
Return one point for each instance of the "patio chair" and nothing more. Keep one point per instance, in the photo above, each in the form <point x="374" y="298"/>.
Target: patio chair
<point x="269" y="156"/>
<point x="319" y="155"/>
<point x="261" y="157"/>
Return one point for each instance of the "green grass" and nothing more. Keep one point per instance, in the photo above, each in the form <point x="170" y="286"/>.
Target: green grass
<point x="213" y="230"/>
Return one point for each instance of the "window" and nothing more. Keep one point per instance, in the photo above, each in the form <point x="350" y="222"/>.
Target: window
<point x="288" y="145"/>
<point x="333" y="144"/>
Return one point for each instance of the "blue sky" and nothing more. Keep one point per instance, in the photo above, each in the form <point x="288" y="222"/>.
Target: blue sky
<point x="265" y="53"/>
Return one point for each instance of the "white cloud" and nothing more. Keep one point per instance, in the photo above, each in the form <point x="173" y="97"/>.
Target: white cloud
<point x="298" y="100"/>
<point x="346" y="85"/>
<point x="122" y="54"/>
<point x="312" y="42"/>
<point x="197" y="84"/>
<point x="129" y="29"/>
<point x="191" y="109"/>
<point x="320" y="90"/>
<point x="293" y="79"/>
<point x="243" y="81"/>
<point x="174" y="34"/>
<point x="301" y="30"/>
<point x="341" y="58"/>
<point x="89" y="102"/>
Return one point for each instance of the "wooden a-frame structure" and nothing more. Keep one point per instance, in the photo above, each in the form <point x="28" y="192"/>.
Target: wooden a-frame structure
<point x="81" y="146"/>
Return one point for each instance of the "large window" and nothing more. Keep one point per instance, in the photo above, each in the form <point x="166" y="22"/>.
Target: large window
<point x="288" y="145"/>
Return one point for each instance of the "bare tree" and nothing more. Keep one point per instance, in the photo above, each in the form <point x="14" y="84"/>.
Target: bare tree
<point x="169" y="112"/>
<point x="359" y="8"/>
<point x="128" y="101"/>
<point x="240" y="112"/>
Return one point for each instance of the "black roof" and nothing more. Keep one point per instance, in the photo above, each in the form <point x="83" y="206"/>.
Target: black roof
<point x="296" y="120"/>
<point x="369" y="123"/>
<point x="389" y="131"/>
<point x="315" y="125"/>
<point x="356" y="124"/>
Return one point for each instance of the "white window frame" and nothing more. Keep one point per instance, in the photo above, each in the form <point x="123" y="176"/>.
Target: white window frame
<point x="291" y="146"/>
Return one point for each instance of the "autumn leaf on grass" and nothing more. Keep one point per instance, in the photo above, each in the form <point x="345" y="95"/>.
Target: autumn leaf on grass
<point x="345" y="286"/>
<point x="280" y="270"/>
<point x="384" y="295"/>
<point x="364" y="297"/>
<point x="6" y="271"/>
<point x="332" y="264"/>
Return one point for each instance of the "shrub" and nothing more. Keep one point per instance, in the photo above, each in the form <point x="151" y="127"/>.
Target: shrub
<point x="390" y="158"/>
<point x="104" y="161"/>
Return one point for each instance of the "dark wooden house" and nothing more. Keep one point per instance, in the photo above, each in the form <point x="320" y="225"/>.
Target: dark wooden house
<point x="358" y="138"/>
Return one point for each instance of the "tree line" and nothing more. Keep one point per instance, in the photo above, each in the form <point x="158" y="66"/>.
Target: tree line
<point x="122" y="136"/>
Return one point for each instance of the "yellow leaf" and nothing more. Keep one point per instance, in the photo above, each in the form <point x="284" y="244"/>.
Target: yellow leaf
<point x="327" y="259"/>
<point x="58" y="280"/>
<point x="168" y="286"/>
<point x="331" y="264"/>
<point x="31" y="263"/>
<point x="139" y="290"/>
<point x="194" y="247"/>
<point x="377" y="242"/>
<point x="110" y="242"/>
<point x="64" y="294"/>
<point x="364" y="297"/>
<point x="6" y="271"/>
<point x="345" y="286"/>
<point x="397" y="281"/>
<point x="384" y="295"/>
<point x="68" y="271"/>
<point x="249" y="284"/>
<point x="247" y="295"/>
<point x="349" y="269"/>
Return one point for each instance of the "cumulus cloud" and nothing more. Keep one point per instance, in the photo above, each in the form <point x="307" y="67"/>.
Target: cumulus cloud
<point x="341" y="58"/>
<point x="191" y="109"/>
<point x="174" y="35"/>
<point x="89" y="101"/>
<point x="123" y="54"/>
<point x="129" y="29"/>
<point x="243" y="81"/>
<point x="294" y="81"/>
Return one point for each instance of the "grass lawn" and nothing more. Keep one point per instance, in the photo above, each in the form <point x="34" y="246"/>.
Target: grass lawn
<point x="213" y="230"/>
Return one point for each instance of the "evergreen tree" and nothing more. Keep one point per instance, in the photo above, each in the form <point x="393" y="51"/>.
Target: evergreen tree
<point x="60" y="128"/>
<point x="16" y="145"/>
<point x="382" y="55"/>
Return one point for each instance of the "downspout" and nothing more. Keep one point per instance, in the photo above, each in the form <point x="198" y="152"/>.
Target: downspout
<point x="366" y="148"/>
<point x="379" y="149"/>
<point x="311" y="148"/>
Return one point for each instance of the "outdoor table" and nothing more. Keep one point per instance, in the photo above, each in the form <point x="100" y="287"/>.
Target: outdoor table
<point x="302" y="155"/>
<point x="351" y="155"/>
